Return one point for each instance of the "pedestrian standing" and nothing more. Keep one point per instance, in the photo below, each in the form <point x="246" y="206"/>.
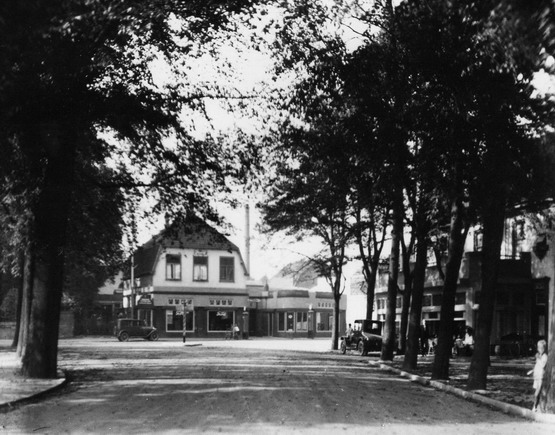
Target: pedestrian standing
<point x="538" y="372"/>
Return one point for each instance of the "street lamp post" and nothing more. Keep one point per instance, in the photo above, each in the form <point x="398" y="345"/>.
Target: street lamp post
<point x="184" y="321"/>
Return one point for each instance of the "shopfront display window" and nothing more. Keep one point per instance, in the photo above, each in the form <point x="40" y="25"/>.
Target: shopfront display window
<point x="324" y="321"/>
<point x="221" y="320"/>
<point x="302" y="321"/>
<point x="145" y="315"/>
<point x="286" y="321"/>
<point x="174" y="321"/>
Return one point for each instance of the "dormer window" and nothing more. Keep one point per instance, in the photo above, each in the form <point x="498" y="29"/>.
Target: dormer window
<point x="173" y="267"/>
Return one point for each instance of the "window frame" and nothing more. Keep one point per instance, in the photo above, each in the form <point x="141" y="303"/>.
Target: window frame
<point x="190" y="315"/>
<point x="195" y="265"/>
<point x="222" y="266"/>
<point x="301" y="321"/>
<point x="215" y="313"/>
<point x="176" y="257"/>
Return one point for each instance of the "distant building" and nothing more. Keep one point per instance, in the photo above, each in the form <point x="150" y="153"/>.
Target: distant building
<point x="525" y="281"/>
<point x="193" y="276"/>
<point x="300" y="301"/>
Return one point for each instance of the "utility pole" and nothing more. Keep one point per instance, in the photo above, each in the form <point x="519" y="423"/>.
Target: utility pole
<point x="248" y="237"/>
<point x="132" y="285"/>
<point x="132" y="274"/>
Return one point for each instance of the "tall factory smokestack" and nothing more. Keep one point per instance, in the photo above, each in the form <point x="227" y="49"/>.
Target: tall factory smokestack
<point x="248" y="238"/>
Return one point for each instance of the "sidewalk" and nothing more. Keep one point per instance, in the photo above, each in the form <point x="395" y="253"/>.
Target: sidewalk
<point x="14" y="388"/>
<point x="509" y="388"/>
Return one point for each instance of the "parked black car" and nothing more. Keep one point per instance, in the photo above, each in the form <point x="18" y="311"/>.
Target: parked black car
<point x="366" y="337"/>
<point x="126" y="328"/>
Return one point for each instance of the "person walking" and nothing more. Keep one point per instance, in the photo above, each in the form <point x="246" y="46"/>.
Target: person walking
<point x="538" y="372"/>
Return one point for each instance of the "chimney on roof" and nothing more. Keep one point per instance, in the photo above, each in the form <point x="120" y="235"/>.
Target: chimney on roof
<point x="248" y="238"/>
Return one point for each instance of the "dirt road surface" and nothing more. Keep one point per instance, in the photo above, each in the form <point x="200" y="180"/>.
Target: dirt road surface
<point x="253" y="386"/>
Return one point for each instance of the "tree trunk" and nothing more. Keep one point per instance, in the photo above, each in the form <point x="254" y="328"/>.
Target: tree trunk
<point x="20" y="285"/>
<point x="457" y="235"/>
<point x="370" y="293"/>
<point x="27" y="296"/>
<point x="336" y="305"/>
<point x="370" y="263"/>
<point x="547" y="399"/>
<point x="407" y="294"/>
<point x="39" y="359"/>
<point x="493" y="225"/>
<point x="419" y="277"/>
<point x="388" y="343"/>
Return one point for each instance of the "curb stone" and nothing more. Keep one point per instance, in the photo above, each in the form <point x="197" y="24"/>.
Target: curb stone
<point x="507" y="408"/>
<point x="57" y="384"/>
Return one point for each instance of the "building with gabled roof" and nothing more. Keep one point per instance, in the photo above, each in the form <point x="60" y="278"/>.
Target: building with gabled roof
<point x="190" y="276"/>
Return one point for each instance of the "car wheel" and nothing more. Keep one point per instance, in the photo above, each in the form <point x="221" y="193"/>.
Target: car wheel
<point x="153" y="336"/>
<point x="361" y="348"/>
<point x="343" y="347"/>
<point x="123" y="336"/>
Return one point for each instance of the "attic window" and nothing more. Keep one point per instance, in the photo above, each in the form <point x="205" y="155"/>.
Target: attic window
<point x="173" y="267"/>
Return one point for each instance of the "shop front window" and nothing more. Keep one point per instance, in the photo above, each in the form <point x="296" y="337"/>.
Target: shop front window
<point x="286" y="321"/>
<point x="324" y="321"/>
<point x="174" y="321"/>
<point x="145" y="315"/>
<point x="281" y="321"/>
<point x="221" y="320"/>
<point x="302" y="321"/>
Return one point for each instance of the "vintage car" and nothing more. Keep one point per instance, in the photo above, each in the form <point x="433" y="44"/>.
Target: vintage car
<point x="366" y="337"/>
<point x="126" y="328"/>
